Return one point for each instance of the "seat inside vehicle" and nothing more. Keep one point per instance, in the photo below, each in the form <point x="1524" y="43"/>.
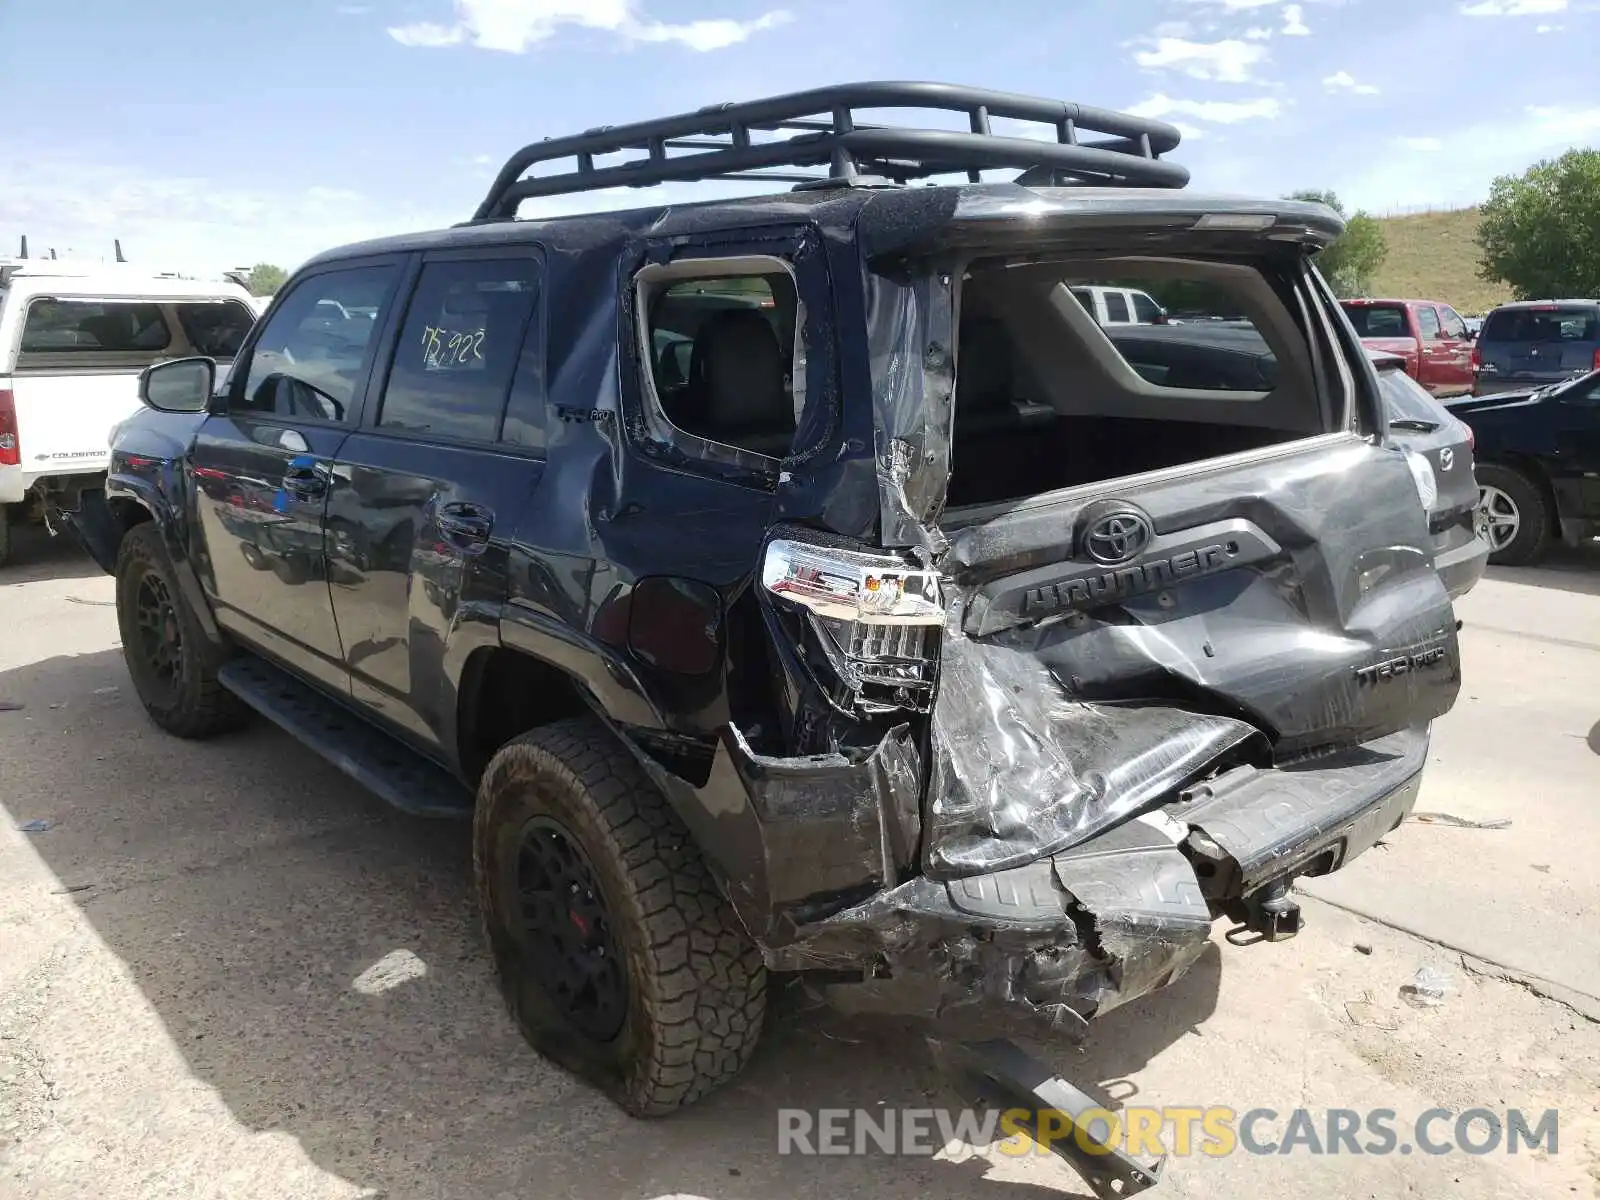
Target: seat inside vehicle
<point x="1046" y="399"/>
<point x="723" y="360"/>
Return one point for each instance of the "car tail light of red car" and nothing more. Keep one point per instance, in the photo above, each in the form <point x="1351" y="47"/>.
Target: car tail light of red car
<point x="1477" y="360"/>
<point x="10" y="447"/>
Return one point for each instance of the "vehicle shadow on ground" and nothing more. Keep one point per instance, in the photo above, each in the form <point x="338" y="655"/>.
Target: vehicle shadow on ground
<point x="1568" y="568"/>
<point x="36" y="556"/>
<point x="246" y="885"/>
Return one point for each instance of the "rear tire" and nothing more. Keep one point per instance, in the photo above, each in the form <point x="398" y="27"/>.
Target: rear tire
<point x="1519" y="517"/>
<point x="617" y="956"/>
<point x="172" y="663"/>
<point x="5" y="534"/>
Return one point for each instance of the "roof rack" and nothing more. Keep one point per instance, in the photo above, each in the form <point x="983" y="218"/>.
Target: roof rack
<point x="720" y="142"/>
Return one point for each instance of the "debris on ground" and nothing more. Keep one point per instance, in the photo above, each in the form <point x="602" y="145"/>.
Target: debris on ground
<point x="1432" y="818"/>
<point x="36" y="826"/>
<point x="1363" y="947"/>
<point x="12" y="706"/>
<point x="94" y="603"/>
<point x="1364" y="1012"/>
<point x="1428" y="988"/>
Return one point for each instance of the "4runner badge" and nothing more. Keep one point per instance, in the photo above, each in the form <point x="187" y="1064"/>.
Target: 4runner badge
<point x="1118" y="537"/>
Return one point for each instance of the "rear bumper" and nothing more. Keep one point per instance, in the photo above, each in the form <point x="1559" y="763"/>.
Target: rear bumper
<point x="1460" y="555"/>
<point x="1040" y="949"/>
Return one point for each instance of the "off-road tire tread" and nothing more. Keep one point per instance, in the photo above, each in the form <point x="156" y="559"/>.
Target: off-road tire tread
<point x="705" y="984"/>
<point x="1533" y="535"/>
<point x="206" y="708"/>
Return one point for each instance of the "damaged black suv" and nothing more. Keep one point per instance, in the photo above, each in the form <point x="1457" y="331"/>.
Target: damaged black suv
<point x="809" y="583"/>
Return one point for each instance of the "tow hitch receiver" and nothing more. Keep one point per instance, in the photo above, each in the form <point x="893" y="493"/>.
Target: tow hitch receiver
<point x="1273" y="912"/>
<point x="1060" y="1117"/>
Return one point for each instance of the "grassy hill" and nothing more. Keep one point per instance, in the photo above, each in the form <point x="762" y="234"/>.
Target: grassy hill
<point x="1434" y="256"/>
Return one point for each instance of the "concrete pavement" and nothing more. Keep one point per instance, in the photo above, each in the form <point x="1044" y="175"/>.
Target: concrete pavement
<point x="179" y="954"/>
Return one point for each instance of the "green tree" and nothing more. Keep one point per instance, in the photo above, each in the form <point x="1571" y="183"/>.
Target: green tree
<point x="265" y="279"/>
<point x="1350" y="263"/>
<point x="1540" y="231"/>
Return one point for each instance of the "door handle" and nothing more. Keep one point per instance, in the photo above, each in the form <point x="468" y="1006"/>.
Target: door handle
<point x="467" y="525"/>
<point x="306" y="480"/>
<point x="294" y="441"/>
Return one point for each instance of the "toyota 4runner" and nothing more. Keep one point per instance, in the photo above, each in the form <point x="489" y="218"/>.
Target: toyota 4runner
<point x="807" y="583"/>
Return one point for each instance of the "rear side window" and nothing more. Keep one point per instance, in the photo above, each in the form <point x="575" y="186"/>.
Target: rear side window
<point x="723" y="354"/>
<point x="92" y="326"/>
<point x="1117" y="308"/>
<point x="1428" y="322"/>
<point x="1407" y="399"/>
<point x="1542" y="325"/>
<point x="462" y="341"/>
<point x="317" y="345"/>
<point x="1378" y="320"/>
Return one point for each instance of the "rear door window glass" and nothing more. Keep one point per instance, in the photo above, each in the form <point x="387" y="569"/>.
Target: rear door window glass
<point x="1407" y="399"/>
<point x="1542" y="325"/>
<point x="1378" y="320"/>
<point x="1145" y="310"/>
<point x="1116" y="309"/>
<point x="1428" y="322"/>
<point x="317" y="345"/>
<point x="460" y="347"/>
<point x="95" y="328"/>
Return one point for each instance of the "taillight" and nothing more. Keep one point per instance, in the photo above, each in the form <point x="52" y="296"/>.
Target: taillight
<point x="1472" y="438"/>
<point x="10" y="446"/>
<point x="1596" y="359"/>
<point x="1477" y="359"/>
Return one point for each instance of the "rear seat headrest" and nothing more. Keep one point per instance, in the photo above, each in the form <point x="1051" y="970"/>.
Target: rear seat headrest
<point x="737" y="367"/>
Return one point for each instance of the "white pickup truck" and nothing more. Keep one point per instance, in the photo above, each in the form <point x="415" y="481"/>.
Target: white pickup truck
<point x="73" y="339"/>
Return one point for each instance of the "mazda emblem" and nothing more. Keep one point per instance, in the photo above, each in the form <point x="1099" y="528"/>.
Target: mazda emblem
<point x="1447" y="459"/>
<point x="1118" y="536"/>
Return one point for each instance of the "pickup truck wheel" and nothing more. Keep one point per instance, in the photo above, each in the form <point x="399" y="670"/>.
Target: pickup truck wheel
<point x="1519" y="519"/>
<point x="173" y="666"/>
<point x="617" y="955"/>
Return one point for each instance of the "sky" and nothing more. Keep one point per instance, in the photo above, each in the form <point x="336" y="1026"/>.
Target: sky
<point x="207" y="134"/>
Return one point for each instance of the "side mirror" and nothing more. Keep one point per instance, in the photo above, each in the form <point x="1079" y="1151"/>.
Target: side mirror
<point x="183" y="385"/>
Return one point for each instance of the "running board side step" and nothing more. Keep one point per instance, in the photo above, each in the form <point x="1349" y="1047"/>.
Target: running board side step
<point x="392" y="771"/>
<point x="1058" y="1115"/>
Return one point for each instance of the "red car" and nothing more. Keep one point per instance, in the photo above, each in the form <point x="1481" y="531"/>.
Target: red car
<point x="1430" y="336"/>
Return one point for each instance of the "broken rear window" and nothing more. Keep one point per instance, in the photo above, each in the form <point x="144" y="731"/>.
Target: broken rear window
<point x="1045" y="398"/>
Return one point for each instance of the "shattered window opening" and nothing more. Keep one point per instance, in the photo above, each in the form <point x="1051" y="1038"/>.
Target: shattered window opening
<point x="724" y="342"/>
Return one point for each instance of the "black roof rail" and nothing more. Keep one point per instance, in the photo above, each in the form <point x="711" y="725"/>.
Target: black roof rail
<point x="721" y="142"/>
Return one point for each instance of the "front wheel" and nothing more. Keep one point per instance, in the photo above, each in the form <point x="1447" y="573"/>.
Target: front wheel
<point x="1516" y="514"/>
<point x="173" y="666"/>
<point x="617" y="955"/>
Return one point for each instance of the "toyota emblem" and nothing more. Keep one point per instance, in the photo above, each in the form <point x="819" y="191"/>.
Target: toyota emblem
<point x="1118" y="536"/>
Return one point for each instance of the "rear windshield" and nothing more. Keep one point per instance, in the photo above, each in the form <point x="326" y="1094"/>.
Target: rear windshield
<point x="1406" y="399"/>
<point x="1542" y="325"/>
<point x="64" y="333"/>
<point x="1378" y="320"/>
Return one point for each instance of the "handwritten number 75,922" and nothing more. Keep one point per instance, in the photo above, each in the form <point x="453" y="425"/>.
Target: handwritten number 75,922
<point x="449" y="347"/>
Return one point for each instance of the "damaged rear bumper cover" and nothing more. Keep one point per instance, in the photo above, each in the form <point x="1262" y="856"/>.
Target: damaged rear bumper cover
<point x="1038" y="949"/>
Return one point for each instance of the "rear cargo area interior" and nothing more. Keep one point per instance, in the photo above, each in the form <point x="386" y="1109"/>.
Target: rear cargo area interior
<point x="1047" y="398"/>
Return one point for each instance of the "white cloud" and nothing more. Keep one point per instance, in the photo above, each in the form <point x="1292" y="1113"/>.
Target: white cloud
<point x="1237" y="5"/>
<point x="1514" y="8"/>
<point x="1548" y="28"/>
<point x="1175" y="29"/>
<point x="1468" y="159"/>
<point x="515" y="25"/>
<point x="1228" y="61"/>
<point x="1258" y="33"/>
<point x="1343" y="81"/>
<point x="1294" y="24"/>
<point x="1427" y="145"/>
<point x="1223" y="112"/>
